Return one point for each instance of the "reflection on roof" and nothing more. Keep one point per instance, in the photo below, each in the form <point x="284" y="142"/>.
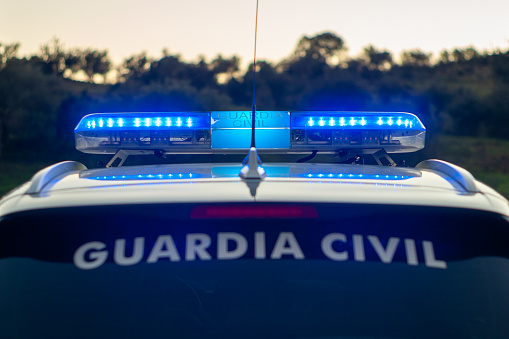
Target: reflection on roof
<point x="204" y="171"/>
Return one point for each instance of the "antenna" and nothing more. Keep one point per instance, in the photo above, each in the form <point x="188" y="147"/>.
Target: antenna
<point x="252" y="171"/>
<point x="253" y="106"/>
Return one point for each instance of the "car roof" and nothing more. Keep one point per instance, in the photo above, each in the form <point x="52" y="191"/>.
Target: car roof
<point x="284" y="182"/>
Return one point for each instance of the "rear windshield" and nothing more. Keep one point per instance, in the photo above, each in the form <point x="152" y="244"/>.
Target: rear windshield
<point x="255" y="271"/>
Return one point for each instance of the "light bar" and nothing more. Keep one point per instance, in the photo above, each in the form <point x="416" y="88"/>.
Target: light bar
<point x="110" y="132"/>
<point x="230" y="132"/>
<point x="394" y="132"/>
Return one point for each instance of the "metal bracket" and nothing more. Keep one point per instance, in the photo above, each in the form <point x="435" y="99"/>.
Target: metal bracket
<point x="354" y="155"/>
<point x="383" y="154"/>
<point x="123" y="154"/>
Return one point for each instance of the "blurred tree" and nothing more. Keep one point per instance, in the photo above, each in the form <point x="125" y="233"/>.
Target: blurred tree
<point x="73" y="61"/>
<point x="224" y="69"/>
<point x="95" y="62"/>
<point x="7" y="52"/>
<point x="29" y="100"/>
<point x="415" y="57"/>
<point x="52" y="53"/>
<point x="134" y="66"/>
<point x="326" y="47"/>
<point x="458" y="55"/>
<point x="464" y="54"/>
<point x="445" y="57"/>
<point x="376" y="59"/>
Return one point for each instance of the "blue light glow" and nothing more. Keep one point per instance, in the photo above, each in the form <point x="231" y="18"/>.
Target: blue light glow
<point x="133" y="121"/>
<point x="351" y="120"/>
<point x="167" y="176"/>
<point x="230" y="130"/>
<point x="354" y="176"/>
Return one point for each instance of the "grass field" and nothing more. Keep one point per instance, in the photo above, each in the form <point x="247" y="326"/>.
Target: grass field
<point x="486" y="159"/>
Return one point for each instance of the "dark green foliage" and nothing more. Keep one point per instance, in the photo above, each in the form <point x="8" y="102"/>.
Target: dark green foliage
<point x="41" y="99"/>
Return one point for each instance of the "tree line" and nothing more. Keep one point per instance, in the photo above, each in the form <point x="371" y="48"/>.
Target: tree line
<point x="42" y="97"/>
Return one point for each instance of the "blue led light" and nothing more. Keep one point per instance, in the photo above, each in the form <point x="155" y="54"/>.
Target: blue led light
<point x="152" y="121"/>
<point x="355" y="176"/>
<point x="352" y="120"/>
<point x="231" y="130"/>
<point x="152" y="176"/>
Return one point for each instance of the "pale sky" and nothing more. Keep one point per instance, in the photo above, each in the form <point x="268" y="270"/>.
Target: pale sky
<point x="205" y="27"/>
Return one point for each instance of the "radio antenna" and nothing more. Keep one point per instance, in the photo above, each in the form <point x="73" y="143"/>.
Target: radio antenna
<point x="253" y="106"/>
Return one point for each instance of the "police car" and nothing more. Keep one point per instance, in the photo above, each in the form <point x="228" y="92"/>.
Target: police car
<point x="296" y="249"/>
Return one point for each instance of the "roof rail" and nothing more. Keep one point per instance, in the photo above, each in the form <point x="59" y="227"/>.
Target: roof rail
<point x="463" y="177"/>
<point x="44" y="176"/>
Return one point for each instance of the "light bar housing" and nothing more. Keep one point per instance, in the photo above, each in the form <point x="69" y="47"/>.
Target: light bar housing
<point x="175" y="131"/>
<point x="230" y="132"/>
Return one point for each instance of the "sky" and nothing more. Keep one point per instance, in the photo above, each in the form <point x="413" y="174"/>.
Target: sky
<point x="206" y="27"/>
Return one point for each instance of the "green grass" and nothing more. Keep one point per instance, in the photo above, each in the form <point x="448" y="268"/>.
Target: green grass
<point x="15" y="172"/>
<point x="486" y="159"/>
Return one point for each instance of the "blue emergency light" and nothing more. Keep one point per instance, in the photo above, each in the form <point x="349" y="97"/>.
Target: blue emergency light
<point x="230" y="132"/>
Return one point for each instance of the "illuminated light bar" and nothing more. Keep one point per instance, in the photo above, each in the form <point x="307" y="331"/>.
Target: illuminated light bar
<point x="322" y="131"/>
<point x="110" y="132"/>
<point x="141" y="121"/>
<point x="230" y="132"/>
<point x="364" y="120"/>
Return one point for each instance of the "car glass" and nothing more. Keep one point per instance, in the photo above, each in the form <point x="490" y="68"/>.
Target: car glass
<point x="289" y="270"/>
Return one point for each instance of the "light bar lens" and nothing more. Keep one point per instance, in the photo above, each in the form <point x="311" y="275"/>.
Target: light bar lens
<point x="230" y="132"/>
<point x="110" y="132"/>
<point x="364" y="121"/>
<point x="144" y="121"/>
<point x="324" y="131"/>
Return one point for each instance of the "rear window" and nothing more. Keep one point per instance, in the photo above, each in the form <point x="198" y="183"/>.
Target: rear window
<point x="255" y="270"/>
